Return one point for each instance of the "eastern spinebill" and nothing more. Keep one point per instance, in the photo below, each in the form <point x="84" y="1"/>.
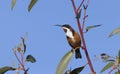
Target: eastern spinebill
<point x="73" y="39"/>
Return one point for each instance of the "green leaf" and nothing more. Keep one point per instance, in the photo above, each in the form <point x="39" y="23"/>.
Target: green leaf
<point x="31" y="59"/>
<point x="119" y="56"/>
<point x="110" y="64"/>
<point x="77" y="70"/>
<point x="13" y="4"/>
<point x="64" y="62"/>
<point x="114" y="32"/>
<point x="24" y="45"/>
<point x="5" y="69"/>
<point x="32" y="3"/>
<point x="91" y="27"/>
<point x="118" y="72"/>
<point x="84" y="6"/>
<point x="79" y="14"/>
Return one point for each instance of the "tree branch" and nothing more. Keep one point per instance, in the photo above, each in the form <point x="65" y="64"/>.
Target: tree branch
<point x="82" y="36"/>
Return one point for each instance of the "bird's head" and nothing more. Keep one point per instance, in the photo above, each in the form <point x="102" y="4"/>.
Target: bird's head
<point x="68" y="30"/>
<point x="66" y="27"/>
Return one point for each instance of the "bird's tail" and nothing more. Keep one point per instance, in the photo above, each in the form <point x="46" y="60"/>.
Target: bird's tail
<point x="78" y="54"/>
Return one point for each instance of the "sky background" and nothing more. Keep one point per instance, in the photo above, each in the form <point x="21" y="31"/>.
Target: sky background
<point x="47" y="43"/>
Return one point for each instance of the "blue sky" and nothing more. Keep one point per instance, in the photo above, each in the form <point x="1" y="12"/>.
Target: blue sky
<point x="46" y="42"/>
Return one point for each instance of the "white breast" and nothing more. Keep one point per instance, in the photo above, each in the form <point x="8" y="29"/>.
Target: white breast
<point x="69" y="33"/>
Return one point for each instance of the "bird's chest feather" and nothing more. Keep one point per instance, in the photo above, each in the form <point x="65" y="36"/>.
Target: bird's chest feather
<point x="69" y="34"/>
<point x="74" y="41"/>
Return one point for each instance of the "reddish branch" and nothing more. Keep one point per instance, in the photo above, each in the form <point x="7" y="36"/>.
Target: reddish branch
<point x="17" y="58"/>
<point x="85" y="15"/>
<point x="80" y="6"/>
<point x="21" y="62"/>
<point x="81" y="30"/>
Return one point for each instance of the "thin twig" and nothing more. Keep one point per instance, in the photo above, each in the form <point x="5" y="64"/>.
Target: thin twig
<point x="87" y="3"/>
<point x="85" y="15"/>
<point x="80" y="5"/>
<point x="18" y="58"/>
<point x="21" y="63"/>
<point x="84" y="18"/>
<point x="22" y="58"/>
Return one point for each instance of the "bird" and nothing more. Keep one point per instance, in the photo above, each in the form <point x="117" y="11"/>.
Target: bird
<point x="73" y="39"/>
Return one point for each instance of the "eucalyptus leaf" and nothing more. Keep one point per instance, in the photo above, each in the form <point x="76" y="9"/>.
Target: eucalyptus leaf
<point x="114" y="32"/>
<point x="24" y="45"/>
<point x="5" y="69"/>
<point x="31" y="59"/>
<point x="118" y="72"/>
<point x="91" y="27"/>
<point x="64" y="62"/>
<point x="13" y="4"/>
<point x="84" y="6"/>
<point x="110" y="64"/>
<point x="77" y="70"/>
<point x="79" y="14"/>
<point x="105" y="57"/>
<point x="32" y="3"/>
<point x="119" y="56"/>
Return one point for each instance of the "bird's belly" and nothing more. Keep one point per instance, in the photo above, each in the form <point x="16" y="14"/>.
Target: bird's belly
<point x="73" y="40"/>
<point x="74" y="43"/>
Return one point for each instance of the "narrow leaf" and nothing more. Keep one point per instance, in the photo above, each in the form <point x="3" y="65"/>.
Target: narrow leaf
<point x="107" y="58"/>
<point x="5" y="69"/>
<point x="64" y="62"/>
<point x="119" y="56"/>
<point x="84" y="6"/>
<point x="31" y="59"/>
<point x="77" y="70"/>
<point x="32" y="3"/>
<point x="13" y="4"/>
<point x="91" y="27"/>
<point x="118" y="72"/>
<point x="104" y="57"/>
<point x="110" y="64"/>
<point x="116" y="61"/>
<point x="114" y="32"/>
<point x="79" y="14"/>
<point x="24" y="45"/>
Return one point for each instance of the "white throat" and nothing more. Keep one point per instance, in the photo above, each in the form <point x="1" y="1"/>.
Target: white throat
<point x="68" y="32"/>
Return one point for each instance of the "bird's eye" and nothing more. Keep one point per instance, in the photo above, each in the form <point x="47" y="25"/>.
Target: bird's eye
<point x="65" y="30"/>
